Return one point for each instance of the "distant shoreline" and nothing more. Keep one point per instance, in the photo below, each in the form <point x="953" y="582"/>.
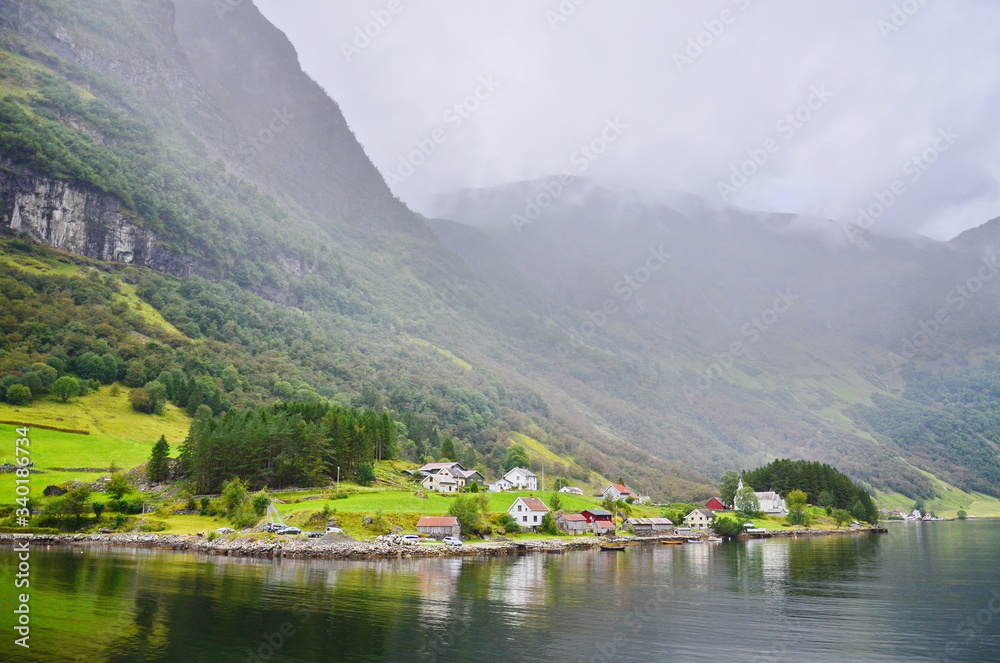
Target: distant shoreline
<point x="383" y="548"/>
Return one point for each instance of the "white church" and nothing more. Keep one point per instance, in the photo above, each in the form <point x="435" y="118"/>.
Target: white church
<point x="771" y="503"/>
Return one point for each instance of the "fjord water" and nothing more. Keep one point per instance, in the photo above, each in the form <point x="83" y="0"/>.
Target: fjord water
<point x="923" y="592"/>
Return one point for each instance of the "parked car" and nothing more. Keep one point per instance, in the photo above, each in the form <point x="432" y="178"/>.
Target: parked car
<point x="451" y="541"/>
<point x="334" y="530"/>
<point x="411" y="538"/>
<point x="273" y="527"/>
<point x="313" y="535"/>
<point x="290" y="530"/>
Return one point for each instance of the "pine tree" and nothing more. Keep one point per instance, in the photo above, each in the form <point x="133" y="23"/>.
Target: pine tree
<point x="158" y="468"/>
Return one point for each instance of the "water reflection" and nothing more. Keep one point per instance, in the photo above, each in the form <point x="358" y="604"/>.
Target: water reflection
<point x="894" y="598"/>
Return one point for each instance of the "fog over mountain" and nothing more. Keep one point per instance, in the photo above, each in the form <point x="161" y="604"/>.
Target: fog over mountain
<point x="835" y="101"/>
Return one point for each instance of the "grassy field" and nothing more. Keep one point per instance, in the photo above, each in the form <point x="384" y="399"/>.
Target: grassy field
<point x="118" y="435"/>
<point x="947" y="505"/>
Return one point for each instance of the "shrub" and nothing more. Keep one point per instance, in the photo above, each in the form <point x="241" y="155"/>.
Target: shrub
<point x="366" y="474"/>
<point x="66" y="388"/>
<point x="131" y="504"/>
<point x="842" y="516"/>
<point x="727" y="527"/>
<point x="549" y="525"/>
<point x="509" y="525"/>
<point x="118" y="486"/>
<point x="260" y="501"/>
<point x="18" y="394"/>
<point x="962" y="515"/>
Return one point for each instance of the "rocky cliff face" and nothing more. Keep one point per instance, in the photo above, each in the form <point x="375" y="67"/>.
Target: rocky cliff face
<point x="70" y="218"/>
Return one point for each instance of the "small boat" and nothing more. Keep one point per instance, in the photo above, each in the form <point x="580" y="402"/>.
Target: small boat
<point x="696" y="541"/>
<point x="613" y="547"/>
<point x="672" y="542"/>
<point x="714" y="539"/>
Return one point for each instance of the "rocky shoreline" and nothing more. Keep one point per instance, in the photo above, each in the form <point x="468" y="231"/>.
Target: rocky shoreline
<point x="383" y="547"/>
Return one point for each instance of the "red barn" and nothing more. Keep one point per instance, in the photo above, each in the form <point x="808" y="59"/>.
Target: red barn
<point x="715" y="504"/>
<point x="598" y="514"/>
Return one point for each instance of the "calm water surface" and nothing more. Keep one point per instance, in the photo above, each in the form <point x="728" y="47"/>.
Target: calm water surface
<point x="923" y="592"/>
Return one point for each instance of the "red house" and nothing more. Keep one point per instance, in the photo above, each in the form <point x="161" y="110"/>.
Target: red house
<point x="597" y="514"/>
<point x="715" y="504"/>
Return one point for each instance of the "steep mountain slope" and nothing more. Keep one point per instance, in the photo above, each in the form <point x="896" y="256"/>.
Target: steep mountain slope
<point x="172" y="136"/>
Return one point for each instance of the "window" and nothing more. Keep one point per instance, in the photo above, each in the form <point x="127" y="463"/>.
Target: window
<point x="524" y="519"/>
<point x="536" y="518"/>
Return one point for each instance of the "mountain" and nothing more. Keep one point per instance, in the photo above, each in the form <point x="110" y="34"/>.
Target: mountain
<point x="768" y="334"/>
<point x="208" y="213"/>
<point x="172" y="137"/>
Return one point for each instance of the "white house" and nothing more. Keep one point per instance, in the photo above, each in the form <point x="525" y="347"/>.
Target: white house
<point x="528" y="512"/>
<point x="572" y="490"/>
<point x="499" y="486"/>
<point x="699" y="519"/>
<point x="441" y="483"/>
<point x="522" y="479"/>
<point x="618" y="491"/>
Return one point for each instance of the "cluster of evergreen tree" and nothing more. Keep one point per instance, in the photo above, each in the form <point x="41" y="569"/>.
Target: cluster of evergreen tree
<point x="823" y="485"/>
<point x="286" y="444"/>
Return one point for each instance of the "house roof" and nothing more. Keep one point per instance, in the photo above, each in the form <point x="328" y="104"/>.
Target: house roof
<point x="598" y="512"/>
<point x="620" y="488"/>
<point x="715" y="504"/>
<point x="525" y="471"/>
<point x="704" y="512"/>
<point x="649" y="521"/>
<point x="434" y="467"/>
<point x="768" y="495"/>
<point x="437" y="521"/>
<point x="604" y="523"/>
<point x="533" y="503"/>
<point x="468" y="473"/>
<point x="574" y="517"/>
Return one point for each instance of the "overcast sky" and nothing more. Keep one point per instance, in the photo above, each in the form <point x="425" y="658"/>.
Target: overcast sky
<point x="683" y="92"/>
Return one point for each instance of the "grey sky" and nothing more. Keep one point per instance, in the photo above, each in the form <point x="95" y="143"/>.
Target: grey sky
<point x="549" y="86"/>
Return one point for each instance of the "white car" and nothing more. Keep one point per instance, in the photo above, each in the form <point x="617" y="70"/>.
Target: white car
<point x="411" y="538"/>
<point x="451" y="541"/>
<point x="334" y="530"/>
